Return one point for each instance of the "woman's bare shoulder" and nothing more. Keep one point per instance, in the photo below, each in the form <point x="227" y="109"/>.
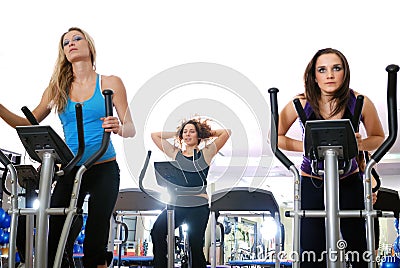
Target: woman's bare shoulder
<point x="112" y="81"/>
<point x="300" y="97"/>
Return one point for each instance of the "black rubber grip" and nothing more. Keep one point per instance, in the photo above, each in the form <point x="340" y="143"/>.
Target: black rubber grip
<point x="357" y="113"/>
<point x="392" y="113"/>
<point x="274" y="128"/>
<point x="143" y="171"/>
<point x="4" y="159"/>
<point x="300" y="111"/>
<point x="29" y="115"/>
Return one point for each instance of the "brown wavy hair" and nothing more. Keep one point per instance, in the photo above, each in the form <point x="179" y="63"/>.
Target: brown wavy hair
<point x="312" y="90"/>
<point x="203" y="130"/>
<point x="63" y="76"/>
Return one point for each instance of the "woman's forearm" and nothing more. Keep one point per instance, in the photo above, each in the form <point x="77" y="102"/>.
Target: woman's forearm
<point x="289" y="144"/>
<point x="371" y="143"/>
<point x="164" y="135"/>
<point x="12" y="119"/>
<point x="219" y="132"/>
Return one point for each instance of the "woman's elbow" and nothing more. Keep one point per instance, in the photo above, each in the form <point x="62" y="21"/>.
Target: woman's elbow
<point x="280" y="143"/>
<point x="132" y="133"/>
<point x="381" y="139"/>
<point x="155" y="136"/>
<point x="128" y="131"/>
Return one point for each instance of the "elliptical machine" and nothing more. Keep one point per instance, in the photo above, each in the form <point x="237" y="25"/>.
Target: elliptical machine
<point x="44" y="145"/>
<point x="328" y="149"/>
<point x="171" y="175"/>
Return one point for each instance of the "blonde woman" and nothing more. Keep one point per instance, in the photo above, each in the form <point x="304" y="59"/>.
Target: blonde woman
<point x="75" y="80"/>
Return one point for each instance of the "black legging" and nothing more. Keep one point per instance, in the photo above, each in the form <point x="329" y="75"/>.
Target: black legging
<point x="312" y="235"/>
<point x="101" y="182"/>
<point x="196" y="218"/>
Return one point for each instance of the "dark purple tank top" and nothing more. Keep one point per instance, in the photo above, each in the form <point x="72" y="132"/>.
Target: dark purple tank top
<point x="310" y="115"/>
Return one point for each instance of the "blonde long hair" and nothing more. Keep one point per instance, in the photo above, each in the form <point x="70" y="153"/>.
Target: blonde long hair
<point x="63" y="76"/>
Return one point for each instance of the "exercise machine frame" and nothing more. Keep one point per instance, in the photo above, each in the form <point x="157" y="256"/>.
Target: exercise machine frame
<point x="174" y="190"/>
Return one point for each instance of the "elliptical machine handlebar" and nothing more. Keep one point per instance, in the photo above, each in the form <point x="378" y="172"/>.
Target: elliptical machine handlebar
<point x="106" y="135"/>
<point x="300" y="111"/>
<point x="143" y="173"/>
<point x="357" y="113"/>
<point x="29" y="115"/>
<point x="274" y="128"/>
<point x="392" y="113"/>
<point x="4" y="159"/>
<point x="81" y="141"/>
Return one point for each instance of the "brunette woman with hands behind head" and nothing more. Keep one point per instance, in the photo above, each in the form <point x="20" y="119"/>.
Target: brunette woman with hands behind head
<point x="189" y="136"/>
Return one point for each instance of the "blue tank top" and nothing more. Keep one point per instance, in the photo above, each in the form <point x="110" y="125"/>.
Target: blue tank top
<point x="310" y="115"/>
<point x="92" y="109"/>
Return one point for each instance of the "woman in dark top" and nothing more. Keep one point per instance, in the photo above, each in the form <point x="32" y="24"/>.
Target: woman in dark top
<point x="195" y="214"/>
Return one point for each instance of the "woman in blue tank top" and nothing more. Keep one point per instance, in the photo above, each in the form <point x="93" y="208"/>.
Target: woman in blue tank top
<point x="74" y="80"/>
<point x="328" y="96"/>
<point x="189" y="209"/>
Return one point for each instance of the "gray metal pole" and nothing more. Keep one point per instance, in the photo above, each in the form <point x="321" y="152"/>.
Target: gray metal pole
<point x="30" y="219"/>
<point x="14" y="216"/>
<point x="213" y="248"/>
<point x="71" y="212"/>
<point x="296" y="217"/>
<point x="111" y="236"/>
<point x="171" y="236"/>
<point x="369" y="209"/>
<point x="278" y="241"/>
<point x="335" y="255"/>
<point x="42" y="217"/>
